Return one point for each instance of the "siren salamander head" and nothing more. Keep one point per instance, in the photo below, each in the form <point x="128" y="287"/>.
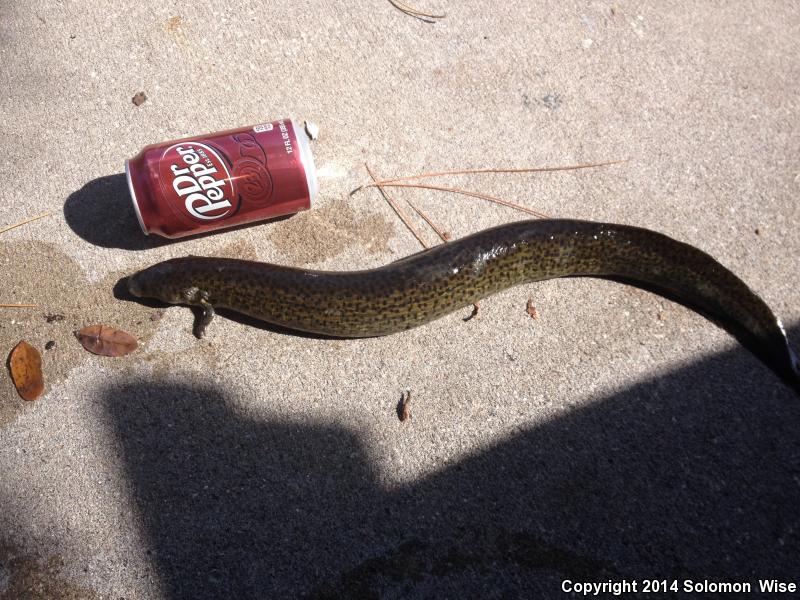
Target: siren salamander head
<point x="163" y="281"/>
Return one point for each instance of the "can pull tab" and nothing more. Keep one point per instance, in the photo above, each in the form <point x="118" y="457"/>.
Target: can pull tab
<point x="312" y="129"/>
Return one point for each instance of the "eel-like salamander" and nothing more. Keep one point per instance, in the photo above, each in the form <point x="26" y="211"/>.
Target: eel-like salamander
<point x="427" y="285"/>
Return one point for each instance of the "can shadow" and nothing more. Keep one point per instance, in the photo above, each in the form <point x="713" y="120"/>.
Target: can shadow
<point x="102" y="214"/>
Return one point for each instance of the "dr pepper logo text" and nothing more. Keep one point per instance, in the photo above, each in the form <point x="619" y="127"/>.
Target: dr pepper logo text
<point x="199" y="181"/>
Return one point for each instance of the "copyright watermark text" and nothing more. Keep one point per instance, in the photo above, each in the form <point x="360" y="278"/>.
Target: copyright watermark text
<point x="661" y="586"/>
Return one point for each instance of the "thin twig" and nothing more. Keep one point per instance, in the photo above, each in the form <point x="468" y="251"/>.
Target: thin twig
<point x="18" y="305"/>
<point x="25" y="222"/>
<point x="495" y="170"/>
<point x="486" y="197"/>
<point x="414" y="12"/>
<point x="400" y="213"/>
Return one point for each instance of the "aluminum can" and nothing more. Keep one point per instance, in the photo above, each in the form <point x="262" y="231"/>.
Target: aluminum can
<point x="199" y="184"/>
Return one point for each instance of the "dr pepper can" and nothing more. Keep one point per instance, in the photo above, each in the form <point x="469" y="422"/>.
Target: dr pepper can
<point x="198" y="184"/>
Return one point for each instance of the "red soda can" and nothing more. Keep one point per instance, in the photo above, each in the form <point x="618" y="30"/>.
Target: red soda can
<point x="219" y="180"/>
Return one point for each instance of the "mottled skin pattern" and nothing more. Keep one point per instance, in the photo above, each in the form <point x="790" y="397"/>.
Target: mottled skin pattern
<point x="425" y="286"/>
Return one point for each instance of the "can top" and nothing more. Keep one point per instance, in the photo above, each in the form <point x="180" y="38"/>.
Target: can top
<point x="307" y="159"/>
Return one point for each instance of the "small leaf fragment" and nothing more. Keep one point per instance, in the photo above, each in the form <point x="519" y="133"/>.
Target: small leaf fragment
<point x="476" y="307"/>
<point x="404" y="406"/>
<point x="139" y="98"/>
<point x="106" y="341"/>
<point x="25" y="364"/>
<point x="531" y="310"/>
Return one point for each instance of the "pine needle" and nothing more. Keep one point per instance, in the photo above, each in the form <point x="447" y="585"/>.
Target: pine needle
<point x="400" y="213"/>
<point x="18" y="305"/>
<point x="445" y="237"/>
<point x="496" y="170"/>
<point x="25" y="222"/>
<point x="487" y="197"/>
<point x="415" y="12"/>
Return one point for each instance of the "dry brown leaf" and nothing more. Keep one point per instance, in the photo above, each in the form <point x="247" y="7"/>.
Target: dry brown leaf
<point x="25" y="364"/>
<point x="106" y="341"/>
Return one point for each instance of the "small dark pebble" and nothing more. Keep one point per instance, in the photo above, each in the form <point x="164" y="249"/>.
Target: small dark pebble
<point x="54" y="317"/>
<point x="50" y="345"/>
<point x="139" y="98"/>
<point x="758" y="231"/>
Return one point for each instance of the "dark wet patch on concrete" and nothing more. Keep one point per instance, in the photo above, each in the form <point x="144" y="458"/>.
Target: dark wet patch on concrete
<point x="237" y="249"/>
<point x="10" y="409"/>
<point x="323" y="233"/>
<point x="25" y="576"/>
<point x="65" y="301"/>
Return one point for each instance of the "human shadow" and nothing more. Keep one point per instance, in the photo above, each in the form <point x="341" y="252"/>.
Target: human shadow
<point x="690" y="475"/>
